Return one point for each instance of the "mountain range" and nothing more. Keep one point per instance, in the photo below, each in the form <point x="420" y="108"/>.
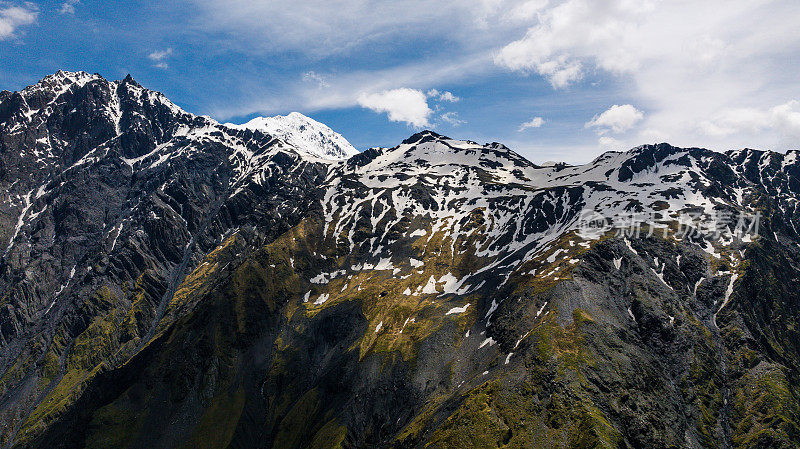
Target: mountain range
<point x="169" y="281"/>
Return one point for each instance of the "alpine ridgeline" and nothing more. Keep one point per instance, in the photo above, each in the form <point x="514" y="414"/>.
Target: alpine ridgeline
<point x="169" y="281"/>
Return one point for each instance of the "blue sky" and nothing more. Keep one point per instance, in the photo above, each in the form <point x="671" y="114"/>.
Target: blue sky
<point x="586" y="76"/>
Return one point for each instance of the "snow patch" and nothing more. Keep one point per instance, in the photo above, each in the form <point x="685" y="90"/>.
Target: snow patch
<point x="457" y="310"/>
<point x="489" y="341"/>
<point x="321" y="299"/>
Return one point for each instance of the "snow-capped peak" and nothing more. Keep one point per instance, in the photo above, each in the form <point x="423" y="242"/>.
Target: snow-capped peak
<point x="305" y="134"/>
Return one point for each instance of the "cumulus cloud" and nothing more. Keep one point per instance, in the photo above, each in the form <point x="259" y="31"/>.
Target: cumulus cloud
<point x="617" y="118"/>
<point x="410" y="105"/>
<point x="535" y="122"/>
<point x="525" y="11"/>
<point x="14" y="16"/>
<point x="783" y="119"/>
<point x="401" y="105"/>
<point x="159" y="57"/>
<point x="572" y="31"/>
<point x="710" y="72"/>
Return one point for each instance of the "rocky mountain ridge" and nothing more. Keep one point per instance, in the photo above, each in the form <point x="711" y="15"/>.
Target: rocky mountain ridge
<point x="169" y="281"/>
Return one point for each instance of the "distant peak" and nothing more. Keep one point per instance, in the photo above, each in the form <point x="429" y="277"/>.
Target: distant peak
<point x="59" y="82"/>
<point x="424" y="136"/>
<point x="497" y="146"/>
<point x="65" y="77"/>
<point x="129" y="80"/>
<point x="68" y="74"/>
<point x="305" y="134"/>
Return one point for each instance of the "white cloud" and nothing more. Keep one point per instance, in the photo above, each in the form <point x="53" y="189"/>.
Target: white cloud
<point x="611" y="144"/>
<point x="68" y="7"/>
<point x="617" y="118"/>
<point x="401" y="105"/>
<point x="688" y="63"/>
<point x="449" y="97"/>
<point x="452" y="118"/>
<point x="159" y="57"/>
<point x="709" y="72"/>
<point x="443" y="96"/>
<point x="340" y="26"/>
<point x="12" y="17"/>
<point x="784" y="119"/>
<point x="535" y="122"/>
<point x="344" y="89"/>
<point x="572" y="31"/>
<point x="312" y="76"/>
<point x="525" y="11"/>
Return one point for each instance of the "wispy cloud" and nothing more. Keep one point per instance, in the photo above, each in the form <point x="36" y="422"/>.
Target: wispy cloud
<point x="68" y="7"/>
<point x="443" y="96"/>
<point x="312" y="76"/>
<point x="160" y="55"/>
<point x="339" y="27"/>
<point x="452" y="118"/>
<point x="14" y="16"/>
<point x="159" y="58"/>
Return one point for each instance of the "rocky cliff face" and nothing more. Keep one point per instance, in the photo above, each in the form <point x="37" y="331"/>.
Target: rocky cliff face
<point x="169" y="281"/>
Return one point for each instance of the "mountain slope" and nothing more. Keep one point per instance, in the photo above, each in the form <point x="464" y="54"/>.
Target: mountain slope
<point x="102" y="229"/>
<point x="175" y="282"/>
